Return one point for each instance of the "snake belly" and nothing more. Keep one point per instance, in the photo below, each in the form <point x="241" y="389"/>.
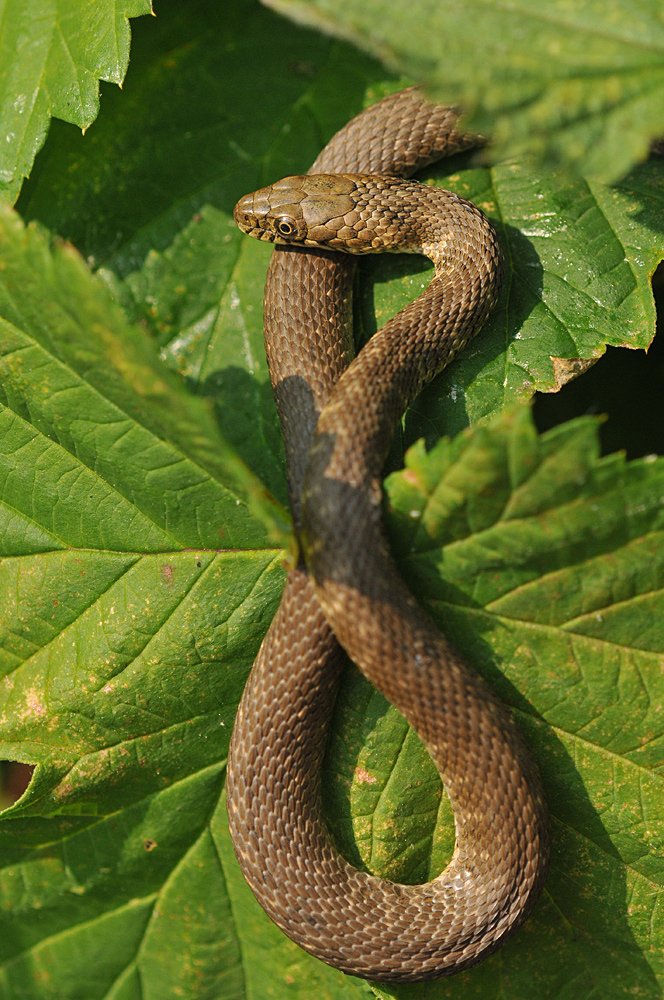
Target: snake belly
<point x="338" y="416"/>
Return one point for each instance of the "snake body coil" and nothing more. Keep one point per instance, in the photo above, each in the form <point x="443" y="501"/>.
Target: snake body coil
<point x="338" y="422"/>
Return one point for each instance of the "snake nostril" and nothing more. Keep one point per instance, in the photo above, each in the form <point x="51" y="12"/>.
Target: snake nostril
<point x="244" y="211"/>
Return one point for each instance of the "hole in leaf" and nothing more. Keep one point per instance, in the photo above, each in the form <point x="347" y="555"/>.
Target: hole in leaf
<point x="626" y="385"/>
<point x="14" y="779"/>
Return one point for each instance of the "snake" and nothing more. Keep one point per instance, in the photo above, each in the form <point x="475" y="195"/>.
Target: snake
<point x="344" y="596"/>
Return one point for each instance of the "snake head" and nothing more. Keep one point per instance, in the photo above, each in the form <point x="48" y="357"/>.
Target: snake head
<point x="306" y="211"/>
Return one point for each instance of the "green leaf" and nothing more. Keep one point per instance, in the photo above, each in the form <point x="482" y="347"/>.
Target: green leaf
<point x="85" y="398"/>
<point x="544" y="564"/>
<point x="53" y="53"/>
<point x="567" y="79"/>
<point x="109" y="525"/>
<point x="579" y="258"/>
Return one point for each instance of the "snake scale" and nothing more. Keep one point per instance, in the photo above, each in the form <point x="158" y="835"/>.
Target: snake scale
<point x="338" y="416"/>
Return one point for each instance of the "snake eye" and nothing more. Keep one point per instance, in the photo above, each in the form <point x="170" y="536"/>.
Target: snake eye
<point x="285" y="226"/>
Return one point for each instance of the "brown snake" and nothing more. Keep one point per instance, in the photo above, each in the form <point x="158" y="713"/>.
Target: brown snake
<point x="337" y="426"/>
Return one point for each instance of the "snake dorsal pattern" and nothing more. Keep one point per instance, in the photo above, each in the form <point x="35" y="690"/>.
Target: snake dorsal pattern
<point x="338" y="416"/>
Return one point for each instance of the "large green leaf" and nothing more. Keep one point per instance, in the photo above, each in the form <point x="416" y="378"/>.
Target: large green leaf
<point x="578" y="81"/>
<point x="53" y="53"/>
<point x="61" y="333"/>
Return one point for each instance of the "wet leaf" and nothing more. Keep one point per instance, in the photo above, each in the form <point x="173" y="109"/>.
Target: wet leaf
<point x="53" y="53"/>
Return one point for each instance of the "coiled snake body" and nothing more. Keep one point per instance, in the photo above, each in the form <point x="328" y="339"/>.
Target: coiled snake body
<point x="338" y="422"/>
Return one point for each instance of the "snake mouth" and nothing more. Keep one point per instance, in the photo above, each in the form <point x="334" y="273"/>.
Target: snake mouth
<point x="244" y="214"/>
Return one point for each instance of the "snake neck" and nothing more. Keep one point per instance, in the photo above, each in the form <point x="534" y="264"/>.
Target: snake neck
<point x="304" y="369"/>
